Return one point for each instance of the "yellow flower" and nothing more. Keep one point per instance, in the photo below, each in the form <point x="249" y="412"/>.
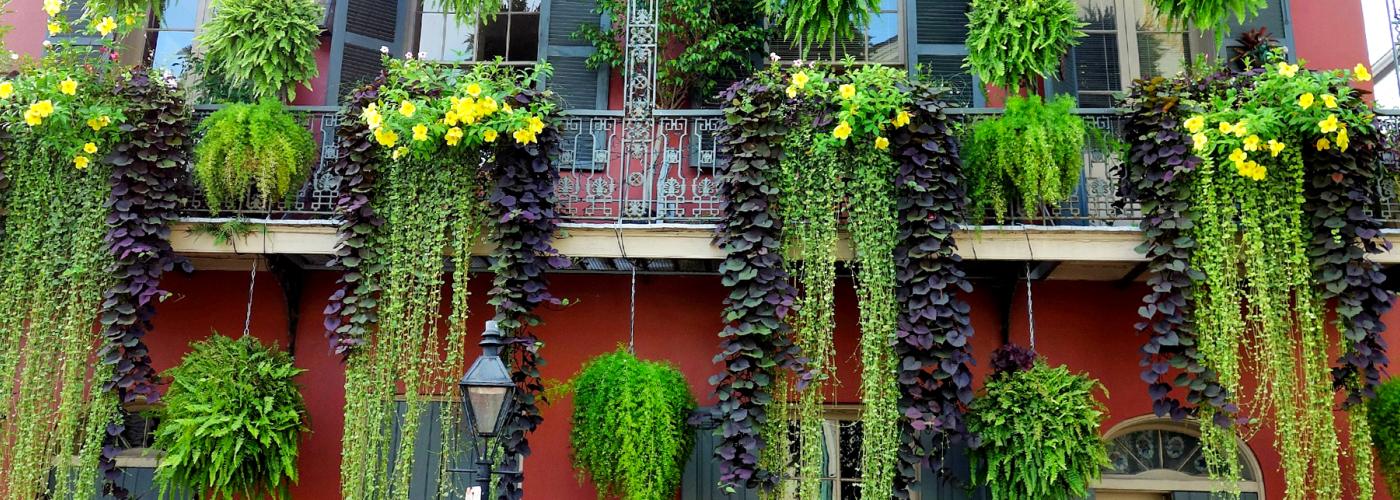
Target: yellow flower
<point x="1241" y="128"/>
<point x="524" y="136"/>
<point x="399" y="152"/>
<point x="1329" y="125"/>
<point x="450" y="118"/>
<point x="32" y="118"/>
<point x="81" y="162"/>
<point x="407" y="109"/>
<point x="505" y="108"/>
<point x="372" y="116"/>
<point x="7" y="89"/>
<point x="882" y="143"/>
<point x="473" y="89"/>
<point x="488" y="106"/>
<point x="420" y="132"/>
<point x="489" y="135"/>
<point x="453" y="136"/>
<point x="68" y="86"/>
<point x="536" y="125"/>
<point x="129" y="20"/>
<point x="53" y="7"/>
<point x="42" y="109"/>
<point x="1323" y="144"/>
<point x="1199" y="141"/>
<point x="386" y="137"/>
<point x="1287" y="70"/>
<point x="901" y="119"/>
<point x="1238" y="156"/>
<point x="98" y="123"/>
<point x="90" y="148"/>
<point x="1226" y="128"/>
<point x="800" y="79"/>
<point x="1251" y="143"/>
<point x="106" y="25"/>
<point x="55" y="28"/>
<point x="1362" y="74"/>
<point x="791" y="92"/>
<point x="1196" y="124"/>
<point x="1251" y="170"/>
<point x="1305" y="101"/>
<point x="847" y="91"/>
<point x="1275" y="148"/>
<point x="1330" y="100"/>
<point x="842" y="131"/>
<point x="1343" y="140"/>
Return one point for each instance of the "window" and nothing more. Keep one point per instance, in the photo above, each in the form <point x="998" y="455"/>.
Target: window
<point x="1125" y="40"/>
<point x="841" y="444"/>
<point x="513" y="35"/>
<point x="169" y="38"/>
<point x="1164" y="456"/>
<point x="880" y="43"/>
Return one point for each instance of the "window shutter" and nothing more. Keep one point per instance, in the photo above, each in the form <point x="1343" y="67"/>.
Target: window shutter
<point x="1275" y="17"/>
<point x="359" y="29"/>
<point x="931" y="486"/>
<point x="700" y="481"/>
<point x="938" y="44"/>
<point x="580" y="87"/>
<point x="73" y="10"/>
<point x="426" y="481"/>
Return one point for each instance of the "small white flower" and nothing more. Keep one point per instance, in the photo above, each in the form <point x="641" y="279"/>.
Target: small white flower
<point x="384" y="49"/>
<point x="14" y="56"/>
<point x="408" y="55"/>
<point x="47" y="44"/>
<point x="422" y="55"/>
<point x="797" y="63"/>
<point x="773" y="56"/>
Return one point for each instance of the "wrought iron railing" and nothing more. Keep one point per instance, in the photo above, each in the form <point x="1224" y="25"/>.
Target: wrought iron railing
<point x="670" y="176"/>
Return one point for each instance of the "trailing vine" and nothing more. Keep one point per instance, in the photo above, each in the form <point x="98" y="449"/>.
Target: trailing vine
<point x="1383" y="420"/>
<point x="350" y="311"/>
<point x="1034" y="150"/>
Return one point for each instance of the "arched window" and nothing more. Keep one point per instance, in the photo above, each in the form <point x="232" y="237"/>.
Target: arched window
<point x="1163" y="458"/>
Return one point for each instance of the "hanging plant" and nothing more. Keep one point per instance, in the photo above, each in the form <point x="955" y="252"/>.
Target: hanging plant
<point x="629" y="434"/>
<point x="1209" y="15"/>
<point x="265" y="46"/>
<point x="232" y="421"/>
<point x="821" y="22"/>
<point x="1039" y="429"/>
<point x="1033" y="152"/>
<point x="248" y="148"/>
<point x="1383" y="420"/>
<point x="415" y="163"/>
<point x="1284" y="161"/>
<point x="1010" y="42"/>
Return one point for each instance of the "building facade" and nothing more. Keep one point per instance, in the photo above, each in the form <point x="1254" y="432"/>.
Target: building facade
<point x="640" y="199"/>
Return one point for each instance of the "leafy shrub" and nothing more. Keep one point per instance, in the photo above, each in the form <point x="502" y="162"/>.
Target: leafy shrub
<point x="248" y="146"/>
<point x="1040" y="434"/>
<point x="1035" y="148"/>
<point x="1384" y="414"/>
<point x="232" y="421"/>
<point x="629" y="426"/>
<point x="266" y="45"/>
<point x="1011" y="41"/>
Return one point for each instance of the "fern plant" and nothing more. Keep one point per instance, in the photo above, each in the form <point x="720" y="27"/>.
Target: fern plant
<point x="1034" y="150"/>
<point x="252" y="146"/>
<point x="1209" y="15"/>
<point x="629" y="432"/>
<point x="232" y="421"/>
<point x="1040" y="434"/>
<point x="267" y="46"/>
<point x="1384" y="415"/>
<point x="819" y="22"/>
<point x="1011" y="41"/>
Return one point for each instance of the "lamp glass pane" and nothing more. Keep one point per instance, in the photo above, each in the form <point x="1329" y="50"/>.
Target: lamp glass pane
<point x="486" y="405"/>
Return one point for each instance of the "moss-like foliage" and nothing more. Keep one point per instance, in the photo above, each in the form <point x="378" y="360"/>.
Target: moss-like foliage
<point x="629" y="434"/>
<point x="252" y="146"/>
<point x="1384" y="420"/>
<point x="1033" y="152"/>
<point x="232" y="421"/>
<point x="1010" y="42"/>
<point x="1040" y="434"/>
<point x="265" y="46"/>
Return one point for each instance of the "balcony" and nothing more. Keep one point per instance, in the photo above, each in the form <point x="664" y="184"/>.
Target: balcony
<point x="649" y="189"/>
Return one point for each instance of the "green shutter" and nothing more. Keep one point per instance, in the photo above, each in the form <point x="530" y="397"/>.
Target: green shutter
<point x="580" y="87"/>
<point x="358" y="29"/>
<point x="938" y="45"/>
<point x="701" y="478"/>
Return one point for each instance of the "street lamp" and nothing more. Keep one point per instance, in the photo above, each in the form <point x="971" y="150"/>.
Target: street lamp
<point x="488" y="400"/>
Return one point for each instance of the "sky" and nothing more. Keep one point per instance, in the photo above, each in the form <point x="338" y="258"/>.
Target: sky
<point x="1378" y="45"/>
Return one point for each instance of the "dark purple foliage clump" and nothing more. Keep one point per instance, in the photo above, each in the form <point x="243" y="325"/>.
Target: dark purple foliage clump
<point x="1012" y="358"/>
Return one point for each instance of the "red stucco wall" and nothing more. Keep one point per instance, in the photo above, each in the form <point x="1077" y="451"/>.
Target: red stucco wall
<point x="27" y="29"/>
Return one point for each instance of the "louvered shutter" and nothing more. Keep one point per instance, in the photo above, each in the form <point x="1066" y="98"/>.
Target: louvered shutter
<point x="580" y="87"/>
<point x="359" y="29"/>
<point x="700" y="481"/>
<point x="427" y="480"/>
<point x="932" y="486"/>
<point x="1275" y="17"/>
<point x="73" y="10"/>
<point x="939" y="44"/>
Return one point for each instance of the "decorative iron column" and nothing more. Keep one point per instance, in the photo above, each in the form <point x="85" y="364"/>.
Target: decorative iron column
<point x="638" y="103"/>
<point x="1394" y="12"/>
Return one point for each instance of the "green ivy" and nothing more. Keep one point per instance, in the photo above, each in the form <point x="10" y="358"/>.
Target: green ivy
<point x="252" y="146"/>
<point x="1034" y="151"/>
<point x="232" y="421"/>
<point x="1040" y="434"/>
<point x="267" y="46"/>
<point x="1383" y="420"/>
<point x="629" y="434"/>
<point x="1010" y="42"/>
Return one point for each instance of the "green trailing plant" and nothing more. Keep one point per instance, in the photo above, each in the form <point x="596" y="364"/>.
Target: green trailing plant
<point x="1040" y="433"/>
<point x="629" y="435"/>
<point x="232" y="421"/>
<point x="417" y="140"/>
<point x="265" y="46"/>
<point x="708" y="44"/>
<point x="1010" y="42"/>
<point x="820" y="22"/>
<point x="470" y="12"/>
<point x="1209" y="15"/>
<point x="1383" y="420"/>
<point x="248" y="147"/>
<point x="226" y="232"/>
<point x="1033" y="153"/>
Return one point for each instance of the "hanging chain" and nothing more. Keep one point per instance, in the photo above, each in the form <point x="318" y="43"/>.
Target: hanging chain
<point x="632" y="301"/>
<point x="1030" y="304"/>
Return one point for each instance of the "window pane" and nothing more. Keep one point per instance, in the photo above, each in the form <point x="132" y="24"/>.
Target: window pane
<point x="179" y="14"/>
<point x="1096" y="101"/>
<point x="884" y="37"/>
<point x="1162" y="54"/>
<point x="458" y="41"/>
<point x="169" y="48"/>
<point x="1099" y="14"/>
<point x="850" y="443"/>
<point x="430" y="35"/>
<point x="1096" y="63"/>
<point x="525" y="37"/>
<point x="494" y="36"/>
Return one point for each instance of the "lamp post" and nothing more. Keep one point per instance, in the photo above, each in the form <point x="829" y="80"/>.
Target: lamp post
<point x="488" y="400"/>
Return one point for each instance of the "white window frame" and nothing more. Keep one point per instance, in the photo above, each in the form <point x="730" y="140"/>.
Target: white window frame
<point x="833" y="416"/>
<point x="421" y="7"/>
<point x="134" y="45"/>
<point x="1125" y="33"/>
<point x="1166" y="481"/>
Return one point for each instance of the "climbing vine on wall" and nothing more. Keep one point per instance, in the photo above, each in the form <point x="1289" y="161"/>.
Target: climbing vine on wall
<point x="1254" y="187"/>
<point x="836" y="149"/>
<point x="425" y="145"/>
